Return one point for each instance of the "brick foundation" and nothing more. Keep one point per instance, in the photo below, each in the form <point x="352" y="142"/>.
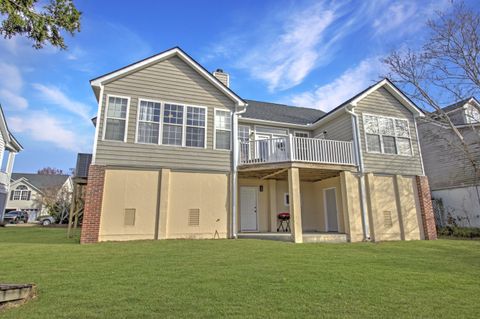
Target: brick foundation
<point x="93" y="204"/>
<point x="426" y="208"/>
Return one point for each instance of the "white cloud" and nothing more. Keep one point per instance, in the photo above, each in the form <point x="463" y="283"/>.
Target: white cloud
<point x="54" y="95"/>
<point x="283" y="59"/>
<point x="43" y="127"/>
<point x="11" y="84"/>
<point x="351" y="82"/>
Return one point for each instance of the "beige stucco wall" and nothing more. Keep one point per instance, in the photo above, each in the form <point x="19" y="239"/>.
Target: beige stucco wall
<point x="397" y="195"/>
<point x="208" y="192"/>
<point x="129" y="189"/>
<point x="351" y="204"/>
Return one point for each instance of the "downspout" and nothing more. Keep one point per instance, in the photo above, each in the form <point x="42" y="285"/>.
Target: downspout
<point x="361" y="171"/>
<point x="234" y="185"/>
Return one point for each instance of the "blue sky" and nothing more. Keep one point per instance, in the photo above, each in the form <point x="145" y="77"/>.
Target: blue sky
<point x="306" y="53"/>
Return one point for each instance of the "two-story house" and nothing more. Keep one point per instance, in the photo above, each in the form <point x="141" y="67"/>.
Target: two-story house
<point x="453" y="179"/>
<point x="9" y="147"/>
<point x="178" y="154"/>
<point x="27" y="190"/>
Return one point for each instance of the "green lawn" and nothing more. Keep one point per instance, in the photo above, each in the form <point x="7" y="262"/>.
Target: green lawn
<point x="240" y="278"/>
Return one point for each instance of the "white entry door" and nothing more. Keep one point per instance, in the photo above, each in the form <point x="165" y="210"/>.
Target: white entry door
<point x="248" y="209"/>
<point x="331" y="213"/>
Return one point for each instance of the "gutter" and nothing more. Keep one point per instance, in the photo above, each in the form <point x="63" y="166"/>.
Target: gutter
<point x="361" y="171"/>
<point x="234" y="186"/>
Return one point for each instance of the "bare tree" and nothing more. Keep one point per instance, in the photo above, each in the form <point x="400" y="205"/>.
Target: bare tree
<point x="445" y="70"/>
<point x="50" y="171"/>
<point x="55" y="200"/>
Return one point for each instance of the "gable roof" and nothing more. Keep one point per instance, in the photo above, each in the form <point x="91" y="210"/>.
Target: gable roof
<point x="10" y="141"/>
<point x="176" y="51"/>
<point x="41" y="181"/>
<point x="282" y="113"/>
<point x="459" y="104"/>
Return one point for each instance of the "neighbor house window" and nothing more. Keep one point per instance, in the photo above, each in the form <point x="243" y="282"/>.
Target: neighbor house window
<point x="148" y="122"/>
<point x="387" y="135"/>
<point x="222" y="129"/>
<point x="172" y="124"/>
<point x="195" y="128"/>
<point x="20" y="193"/>
<point x="116" y="119"/>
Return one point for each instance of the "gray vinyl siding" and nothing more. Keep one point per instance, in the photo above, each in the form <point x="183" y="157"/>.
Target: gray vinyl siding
<point x="457" y="117"/>
<point x="381" y="102"/>
<point x="170" y="80"/>
<point x="339" y="129"/>
<point x="446" y="165"/>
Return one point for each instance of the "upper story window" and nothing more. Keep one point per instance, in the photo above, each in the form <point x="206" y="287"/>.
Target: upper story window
<point x="472" y="115"/>
<point x="148" y="122"/>
<point x="243" y="133"/>
<point x="387" y="135"/>
<point x="116" y="118"/>
<point x="20" y="193"/>
<point x="172" y="124"/>
<point x="223" y="128"/>
<point x="195" y="127"/>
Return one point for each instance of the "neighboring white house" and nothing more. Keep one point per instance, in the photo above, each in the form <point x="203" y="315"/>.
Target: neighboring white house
<point x="454" y="183"/>
<point x="9" y="147"/>
<point x="25" y="188"/>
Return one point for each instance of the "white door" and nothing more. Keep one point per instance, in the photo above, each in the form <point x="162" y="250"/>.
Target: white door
<point x="331" y="214"/>
<point x="248" y="209"/>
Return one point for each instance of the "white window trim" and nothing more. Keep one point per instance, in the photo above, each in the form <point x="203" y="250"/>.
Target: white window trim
<point x="215" y="130"/>
<point x="105" y="111"/>
<point x="184" y="124"/>
<point x="272" y="135"/>
<point x="138" y="121"/>
<point x="380" y="135"/>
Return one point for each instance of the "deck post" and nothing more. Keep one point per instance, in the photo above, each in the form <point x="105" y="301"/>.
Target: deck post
<point x="290" y="148"/>
<point x="295" y="204"/>
<point x="272" y="194"/>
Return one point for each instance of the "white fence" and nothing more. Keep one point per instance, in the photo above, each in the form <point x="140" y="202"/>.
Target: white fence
<point x="300" y="149"/>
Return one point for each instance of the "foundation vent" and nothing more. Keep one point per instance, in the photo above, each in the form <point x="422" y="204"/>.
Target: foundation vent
<point x="194" y="217"/>
<point x="387" y="219"/>
<point x="129" y="218"/>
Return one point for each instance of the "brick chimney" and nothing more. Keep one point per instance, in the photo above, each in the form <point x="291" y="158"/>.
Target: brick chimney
<point x="222" y="76"/>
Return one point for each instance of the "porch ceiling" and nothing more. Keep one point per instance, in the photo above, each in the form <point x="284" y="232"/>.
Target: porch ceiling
<point x="306" y="174"/>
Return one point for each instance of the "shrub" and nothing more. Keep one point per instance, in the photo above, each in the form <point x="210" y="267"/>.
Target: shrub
<point x="460" y="232"/>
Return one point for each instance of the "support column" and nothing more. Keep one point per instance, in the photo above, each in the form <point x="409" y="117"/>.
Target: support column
<point x="352" y="210"/>
<point x="93" y="204"/>
<point x="272" y="195"/>
<point x="371" y="204"/>
<point x="426" y="208"/>
<point x="295" y="205"/>
<point x="10" y="161"/>
<point x="164" y="195"/>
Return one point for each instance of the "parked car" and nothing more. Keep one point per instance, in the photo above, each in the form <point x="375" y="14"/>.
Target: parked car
<point x="16" y="216"/>
<point x="46" y="220"/>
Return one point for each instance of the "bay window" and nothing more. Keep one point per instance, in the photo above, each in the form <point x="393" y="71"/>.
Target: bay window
<point x="223" y="129"/>
<point x="387" y="135"/>
<point x="116" y="118"/>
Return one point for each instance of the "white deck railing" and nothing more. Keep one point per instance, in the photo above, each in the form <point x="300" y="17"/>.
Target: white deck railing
<point x="299" y="149"/>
